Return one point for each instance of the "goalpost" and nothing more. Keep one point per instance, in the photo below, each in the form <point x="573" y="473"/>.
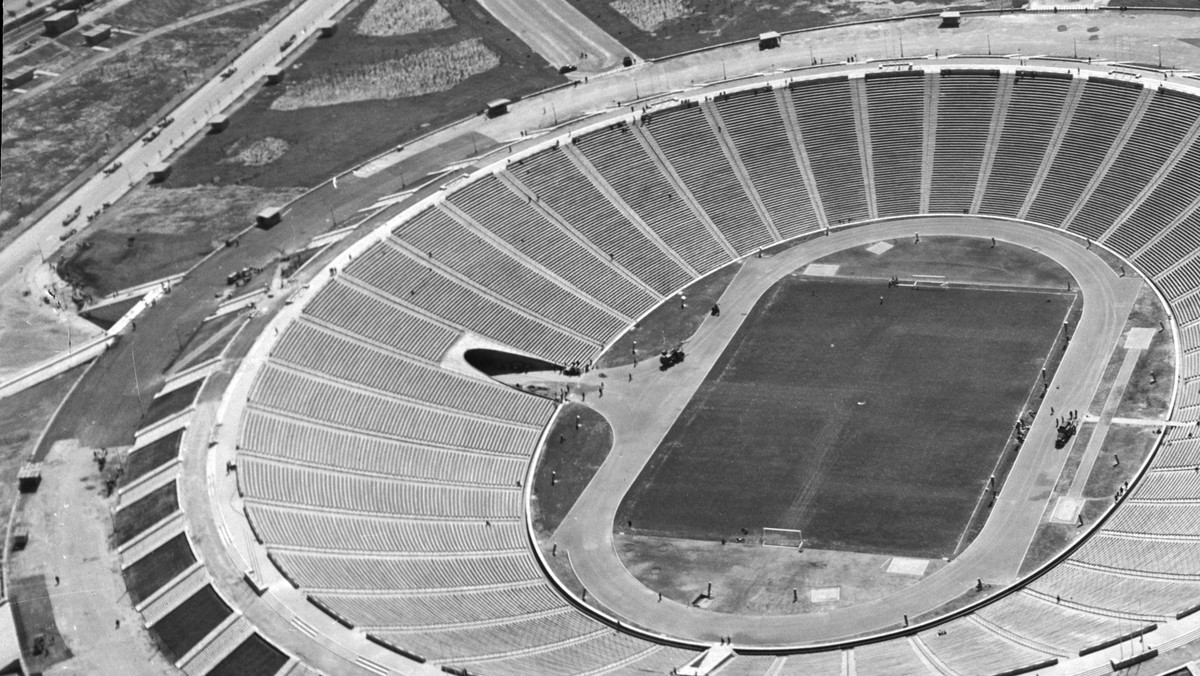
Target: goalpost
<point x="782" y="537"/>
<point x="930" y="281"/>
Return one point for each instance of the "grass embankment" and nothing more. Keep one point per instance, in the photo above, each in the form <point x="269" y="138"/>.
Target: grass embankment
<point x="397" y="70"/>
<point x="23" y="416"/>
<point x="158" y="505"/>
<point x="1148" y="392"/>
<point x="148" y="574"/>
<point x="668" y="324"/>
<point x="157" y="232"/>
<point x="53" y="134"/>
<point x="572" y="454"/>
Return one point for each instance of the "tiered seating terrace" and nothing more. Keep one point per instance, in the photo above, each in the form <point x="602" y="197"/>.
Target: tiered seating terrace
<point x="688" y="142"/>
<point x="1096" y="124"/>
<point x="341" y="573"/>
<point x="291" y="440"/>
<point x="896" y="107"/>
<point x="287" y="527"/>
<point x="447" y="243"/>
<point x="1121" y="594"/>
<point x="965" y="103"/>
<point x="371" y="318"/>
<point x="967" y="647"/>
<point x="562" y="187"/>
<point x="825" y="112"/>
<point x="1168" y="199"/>
<point x="753" y="121"/>
<point x="495" y="207"/>
<point x="403" y="278"/>
<point x="1029" y="124"/>
<point x="622" y="162"/>
<point x="1159" y="132"/>
<point x="383" y="612"/>
<point x="493" y="638"/>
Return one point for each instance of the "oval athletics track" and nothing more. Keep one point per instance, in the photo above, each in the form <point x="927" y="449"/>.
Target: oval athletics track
<point x="994" y="556"/>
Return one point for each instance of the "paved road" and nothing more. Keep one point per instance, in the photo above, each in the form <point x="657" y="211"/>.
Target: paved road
<point x="560" y="33"/>
<point x="190" y="118"/>
<point x="996" y="553"/>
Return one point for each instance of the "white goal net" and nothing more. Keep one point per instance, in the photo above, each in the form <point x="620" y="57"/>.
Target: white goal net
<point x="782" y="537"/>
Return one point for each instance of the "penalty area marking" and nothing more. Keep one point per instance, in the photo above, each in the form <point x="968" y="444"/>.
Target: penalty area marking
<point x="821" y="270"/>
<point x="879" y="248"/>
<point x="825" y="594"/>
<point x="905" y="566"/>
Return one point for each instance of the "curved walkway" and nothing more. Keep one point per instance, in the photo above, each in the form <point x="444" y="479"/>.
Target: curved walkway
<point x="994" y="556"/>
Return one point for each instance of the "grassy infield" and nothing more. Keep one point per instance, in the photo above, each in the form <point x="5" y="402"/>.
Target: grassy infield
<point x="672" y="565"/>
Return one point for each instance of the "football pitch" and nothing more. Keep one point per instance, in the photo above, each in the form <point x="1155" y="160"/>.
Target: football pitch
<point x="871" y="425"/>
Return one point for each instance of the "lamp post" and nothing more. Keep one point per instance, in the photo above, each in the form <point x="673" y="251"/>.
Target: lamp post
<point x="1159" y="55"/>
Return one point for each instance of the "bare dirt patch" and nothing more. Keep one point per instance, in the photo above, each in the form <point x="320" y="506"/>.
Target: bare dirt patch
<point x="258" y="153"/>
<point x="433" y="70"/>
<point x="157" y="232"/>
<point x="401" y="17"/>
<point x="650" y="15"/>
<point x="752" y="579"/>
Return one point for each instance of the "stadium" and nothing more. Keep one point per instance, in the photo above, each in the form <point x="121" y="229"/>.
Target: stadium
<point x="447" y="443"/>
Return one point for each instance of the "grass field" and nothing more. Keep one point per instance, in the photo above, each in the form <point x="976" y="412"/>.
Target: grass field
<point x="53" y="135"/>
<point x="158" y="505"/>
<point x="171" y="403"/>
<point x="573" y="455"/>
<point x="191" y="621"/>
<point x="1147" y="396"/>
<point x="873" y="428"/>
<point x="253" y="656"/>
<point x="654" y="28"/>
<point x="319" y="141"/>
<point x="150" y="457"/>
<point x="209" y="340"/>
<point x="148" y="574"/>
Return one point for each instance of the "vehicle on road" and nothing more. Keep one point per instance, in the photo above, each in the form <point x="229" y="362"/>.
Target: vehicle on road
<point x="228" y="73"/>
<point x="112" y="168"/>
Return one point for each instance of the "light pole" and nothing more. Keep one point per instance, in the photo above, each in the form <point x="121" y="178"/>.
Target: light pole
<point x="1159" y="55"/>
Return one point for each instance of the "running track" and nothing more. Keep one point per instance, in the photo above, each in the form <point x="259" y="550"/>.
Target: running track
<point x="995" y="555"/>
